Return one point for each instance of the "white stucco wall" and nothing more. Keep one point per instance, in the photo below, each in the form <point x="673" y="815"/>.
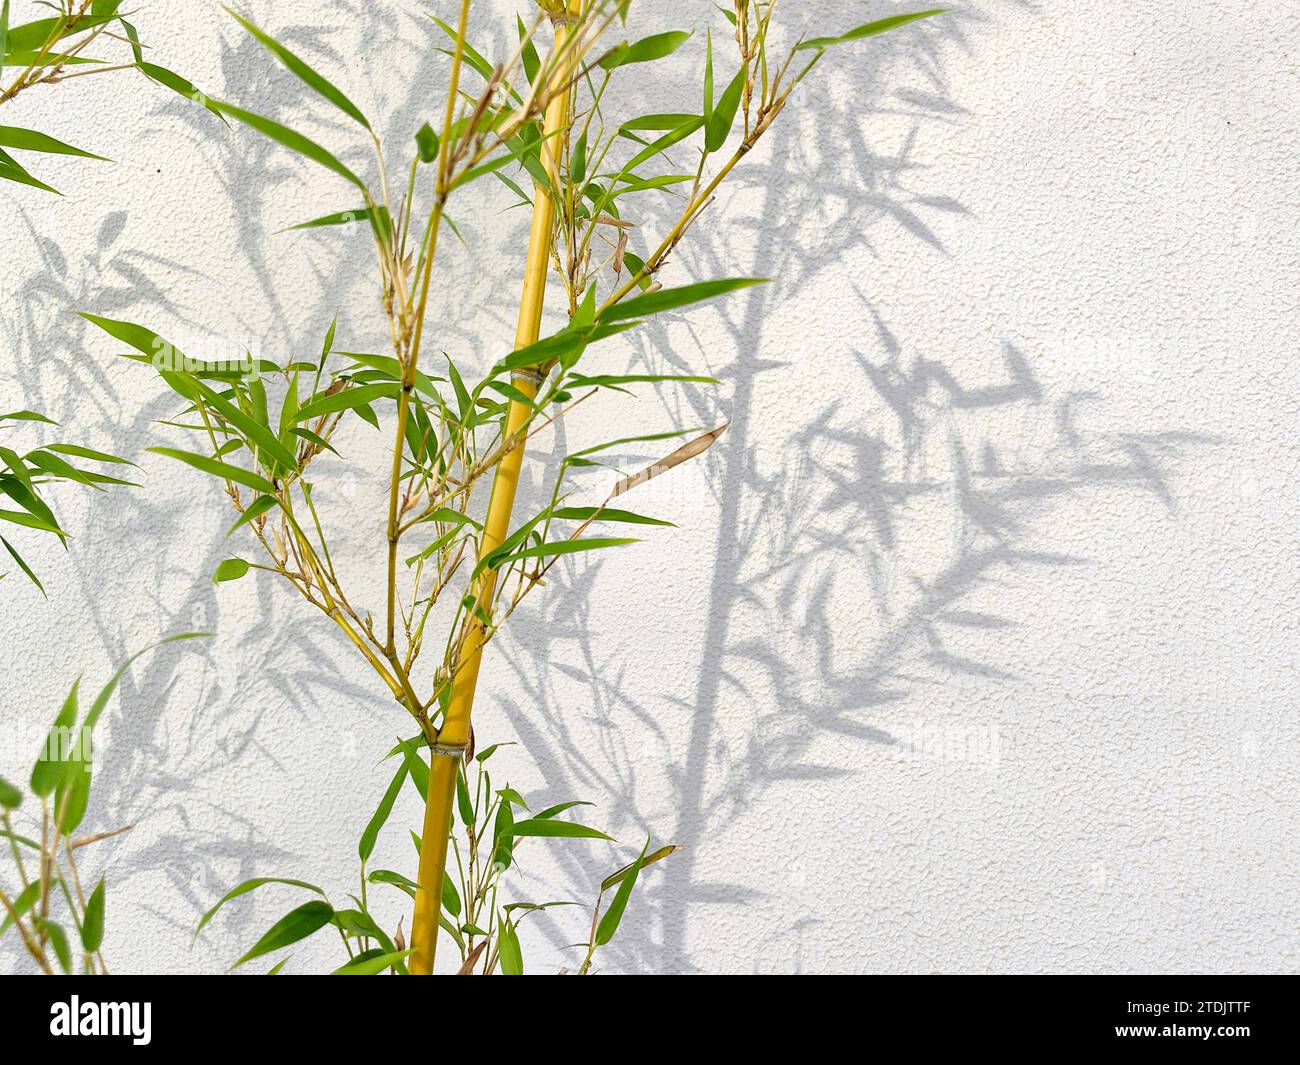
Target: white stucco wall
<point x="975" y="648"/>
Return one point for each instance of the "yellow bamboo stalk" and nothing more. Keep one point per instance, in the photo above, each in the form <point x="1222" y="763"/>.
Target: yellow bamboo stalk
<point x="453" y="737"/>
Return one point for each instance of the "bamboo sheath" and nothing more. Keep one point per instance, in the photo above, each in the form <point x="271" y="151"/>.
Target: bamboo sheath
<point x="454" y="733"/>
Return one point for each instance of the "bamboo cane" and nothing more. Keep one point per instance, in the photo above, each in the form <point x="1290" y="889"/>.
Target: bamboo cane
<point x="453" y="737"/>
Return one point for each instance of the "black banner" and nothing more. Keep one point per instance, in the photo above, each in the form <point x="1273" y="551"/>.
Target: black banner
<point x="150" y="1014"/>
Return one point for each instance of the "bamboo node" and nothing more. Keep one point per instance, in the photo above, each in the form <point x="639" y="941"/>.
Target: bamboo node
<point x="447" y="750"/>
<point x="560" y="12"/>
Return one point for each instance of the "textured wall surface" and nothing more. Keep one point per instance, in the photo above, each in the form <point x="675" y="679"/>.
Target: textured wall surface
<point x="975" y="647"/>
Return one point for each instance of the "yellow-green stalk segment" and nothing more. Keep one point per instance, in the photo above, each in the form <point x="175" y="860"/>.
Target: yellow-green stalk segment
<point x="453" y="736"/>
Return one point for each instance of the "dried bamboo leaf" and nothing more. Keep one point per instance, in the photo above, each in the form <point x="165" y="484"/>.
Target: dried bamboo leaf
<point x="685" y="453"/>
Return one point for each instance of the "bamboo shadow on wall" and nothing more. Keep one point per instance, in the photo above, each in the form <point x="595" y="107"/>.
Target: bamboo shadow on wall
<point x="803" y="227"/>
<point x="841" y="500"/>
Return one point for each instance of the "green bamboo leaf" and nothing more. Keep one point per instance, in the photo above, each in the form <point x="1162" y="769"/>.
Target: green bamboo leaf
<point x="470" y="54"/>
<point x="528" y="53"/>
<point x="4" y="34"/>
<point x="314" y="438"/>
<point x="366" y="845"/>
<point x="72" y="796"/>
<point x="310" y="76"/>
<point x="610" y="921"/>
<point x="92" y="925"/>
<point x="218" y="469"/>
<point x="32" y="36"/>
<point x="27" y="416"/>
<point x="525" y="149"/>
<point x="57" y="467"/>
<point x="559" y="808"/>
<point x="49" y="767"/>
<point x="87" y="453"/>
<point x="58" y="939"/>
<point x="10" y="797"/>
<point x="348" y="399"/>
<point x="869" y="29"/>
<point x="488" y="752"/>
<point x="24" y="841"/>
<point x="724" y="113"/>
<point x="450" y="897"/>
<point x="667" y="299"/>
<point x="607" y="514"/>
<point x="708" y="78"/>
<point x="254" y="510"/>
<point x="169" y="79"/>
<point x="230" y="569"/>
<point x="416" y="766"/>
<point x="254" y="429"/>
<point x="359" y="923"/>
<point x="387" y="876"/>
<point x="508" y="545"/>
<point x="463" y="401"/>
<point x="562" y="547"/>
<point x="252" y="885"/>
<point x="615" y="380"/>
<point x="464" y="805"/>
<point x="273" y="454"/>
<point x="512" y="393"/>
<point x="370" y="963"/>
<point x="48" y="59"/>
<point x="426" y="143"/>
<point x="18" y="468"/>
<point x="578" y="161"/>
<point x="30" y="141"/>
<point x="54" y="465"/>
<point x="663" y="143"/>
<point x="453" y="517"/>
<point x="145" y="341"/>
<point x="452" y="931"/>
<point x="565" y="346"/>
<point x="22" y="564"/>
<point x="539" y="826"/>
<point x="290" y="139"/>
<point x="11" y="171"/>
<point x="23" y="903"/>
<point x="338" y="218"/>
<point x="513" y="797"/>
<point x="288" y="408"/>
<point x="508" y="950"/>
<point x="533" y="907"/>
<point x="656" y="123"/>
<point x="17" y="517"/>
<point x="645" y="50"/>
<point x="503" y="830"/>
<point x="390" y="368"/>
<point x="295" y="925"/>
<point x="657" y="856"/>
<point x="524" y="199"/>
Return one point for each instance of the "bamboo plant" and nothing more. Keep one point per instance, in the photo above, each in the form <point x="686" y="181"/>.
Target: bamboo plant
<point x="559" y="114"/>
